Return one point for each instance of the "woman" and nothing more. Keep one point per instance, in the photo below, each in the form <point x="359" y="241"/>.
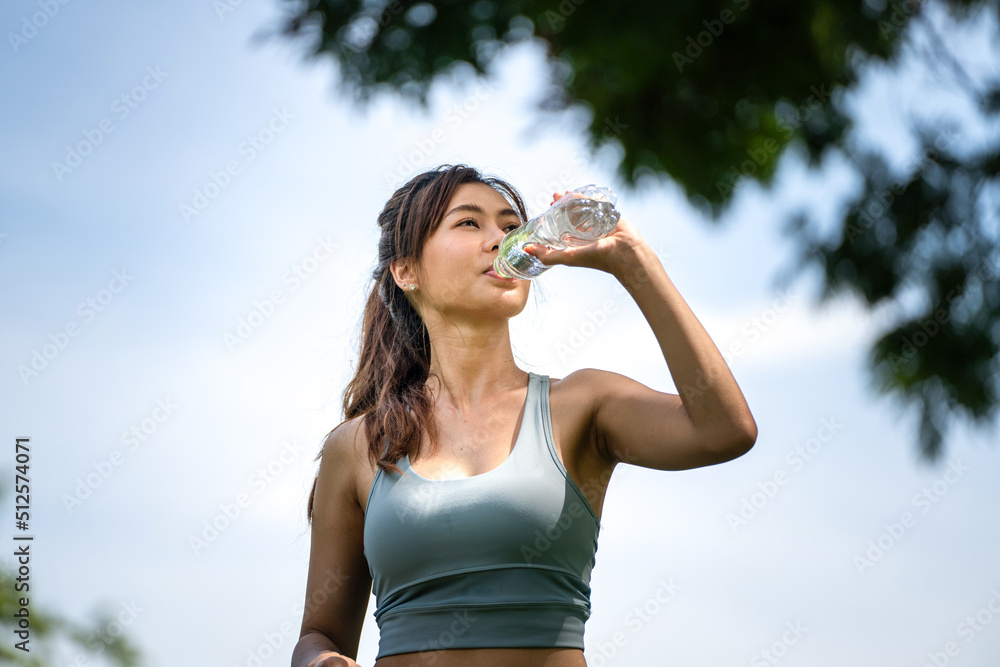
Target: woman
<point x="456" y="483"/>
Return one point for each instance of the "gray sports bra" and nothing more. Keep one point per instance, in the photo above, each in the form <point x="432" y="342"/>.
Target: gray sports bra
<point x="500" y="559"/>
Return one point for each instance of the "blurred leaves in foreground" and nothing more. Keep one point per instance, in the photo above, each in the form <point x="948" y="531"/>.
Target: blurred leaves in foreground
<point x="55" y="640"/>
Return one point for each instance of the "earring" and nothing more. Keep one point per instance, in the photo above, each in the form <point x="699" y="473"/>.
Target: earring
<point x="413" y="287"/>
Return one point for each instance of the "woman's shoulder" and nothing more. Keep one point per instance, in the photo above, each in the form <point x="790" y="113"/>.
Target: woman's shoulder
<point x="576" y="396"/>
<point x="344" y="455"/>
<point x="346" y="444"/>
<point x="347" y="438"/>
<point x="584" y="385"/>
<point x="574" y="401"/>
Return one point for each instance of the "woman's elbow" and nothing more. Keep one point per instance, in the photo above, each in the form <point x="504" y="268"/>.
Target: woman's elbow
<point x="736" y="442"/>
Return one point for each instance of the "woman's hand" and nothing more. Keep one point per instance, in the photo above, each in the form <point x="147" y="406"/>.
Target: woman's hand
<point x="614" y="252"/>
<point x="332" y="659"/>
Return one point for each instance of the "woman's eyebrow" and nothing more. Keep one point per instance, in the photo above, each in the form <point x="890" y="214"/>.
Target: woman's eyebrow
<point x="476" y="208"/>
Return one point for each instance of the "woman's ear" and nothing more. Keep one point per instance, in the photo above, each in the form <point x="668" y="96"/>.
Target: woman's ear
<point x="402" y="273"/>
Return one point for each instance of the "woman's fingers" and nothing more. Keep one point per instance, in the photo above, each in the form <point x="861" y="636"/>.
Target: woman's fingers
<point x="557" y="196"/>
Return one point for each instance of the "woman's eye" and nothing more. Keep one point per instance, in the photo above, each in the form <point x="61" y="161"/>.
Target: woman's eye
<point x="511" y="227"/>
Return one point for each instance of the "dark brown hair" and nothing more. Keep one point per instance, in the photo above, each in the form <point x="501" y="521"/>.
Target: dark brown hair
<point x="394" y="363"/>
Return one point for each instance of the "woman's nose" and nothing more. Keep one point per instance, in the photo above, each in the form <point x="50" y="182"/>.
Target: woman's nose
<point x="496" y="237"/>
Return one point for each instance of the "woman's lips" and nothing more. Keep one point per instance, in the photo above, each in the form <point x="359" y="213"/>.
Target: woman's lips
<point x="493" y="274"/>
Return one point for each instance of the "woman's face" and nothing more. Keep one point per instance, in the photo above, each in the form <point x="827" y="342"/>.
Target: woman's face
<point x="452" y="278"/>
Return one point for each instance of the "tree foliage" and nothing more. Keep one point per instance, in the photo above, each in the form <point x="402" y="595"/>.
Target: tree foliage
<point x="49" y="633"/>
<point x="712" y="94"/>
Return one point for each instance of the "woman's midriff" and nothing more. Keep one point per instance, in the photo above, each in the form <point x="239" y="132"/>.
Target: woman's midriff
<point x="488" y="657"/>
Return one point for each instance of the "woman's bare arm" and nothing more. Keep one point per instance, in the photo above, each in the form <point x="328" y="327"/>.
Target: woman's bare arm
<point x="339" y="583"/>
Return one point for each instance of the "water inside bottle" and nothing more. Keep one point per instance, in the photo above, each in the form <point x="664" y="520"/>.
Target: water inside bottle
<point x="512" y="261"/>
<point x="580" y="217"/>
<point x="577" y="223"/>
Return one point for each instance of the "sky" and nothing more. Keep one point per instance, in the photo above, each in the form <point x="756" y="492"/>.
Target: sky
<point x="187" y="230"/>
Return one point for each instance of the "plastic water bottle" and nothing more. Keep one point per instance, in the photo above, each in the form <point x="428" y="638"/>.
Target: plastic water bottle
<point x="578" y="218"/>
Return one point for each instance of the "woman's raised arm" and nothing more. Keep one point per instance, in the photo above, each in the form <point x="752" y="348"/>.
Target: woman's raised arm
<point x="709" y="421"/>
